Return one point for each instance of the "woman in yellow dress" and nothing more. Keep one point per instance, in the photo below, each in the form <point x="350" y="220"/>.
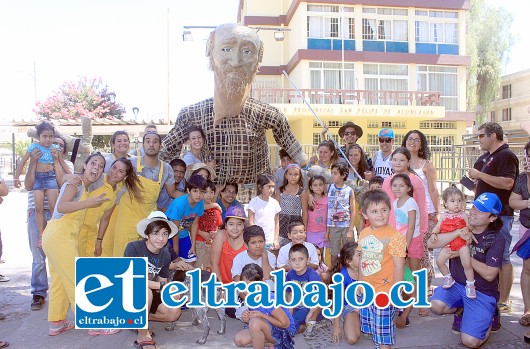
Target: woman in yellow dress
<point x="60" y="241"/>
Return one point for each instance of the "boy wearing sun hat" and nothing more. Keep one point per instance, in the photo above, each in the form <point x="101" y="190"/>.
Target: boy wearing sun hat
<point x="155" y="230"/>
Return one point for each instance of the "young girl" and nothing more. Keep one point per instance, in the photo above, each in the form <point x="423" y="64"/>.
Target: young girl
<point x="263" y="210"/>
<point x="348" y="266"/>
<point x="357" y="158"/>
<point x="407" y="217"/>
<point x="226" y="246"/>
<point x="274" y="326"/>
<point x="290" y="196"/>
<point x="45" y="180"/>
<point x="341" y="210"/>
<point x="315" y="216"/>
<point x="204" y="232"/>
<point x="452" y="219"/>
<point x="322" y="270"/>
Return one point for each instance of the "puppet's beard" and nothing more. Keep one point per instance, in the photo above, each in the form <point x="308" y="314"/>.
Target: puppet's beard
<point x="235" y="80"/>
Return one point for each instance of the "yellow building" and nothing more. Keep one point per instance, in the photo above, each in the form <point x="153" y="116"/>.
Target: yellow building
<point x="513" y="105"/>
<point x="376" y="63"/>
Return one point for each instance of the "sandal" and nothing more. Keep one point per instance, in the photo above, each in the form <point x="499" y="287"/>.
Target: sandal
<point x="141" y="345"/>
<point x="4" y="344"/>
<point x="3" y="278"/>
<point x="151" y="333"/>
<point x="505" y="307"/>
<point x="525" y="320"/>
<point x="423" y="312"/>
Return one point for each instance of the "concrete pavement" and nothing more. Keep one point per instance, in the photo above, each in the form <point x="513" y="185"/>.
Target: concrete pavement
<point x="24" y="328"/>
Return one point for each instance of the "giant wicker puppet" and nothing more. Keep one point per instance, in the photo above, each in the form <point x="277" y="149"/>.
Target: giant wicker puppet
<point x="78" y="148"/>
<point x="234" y="123"/>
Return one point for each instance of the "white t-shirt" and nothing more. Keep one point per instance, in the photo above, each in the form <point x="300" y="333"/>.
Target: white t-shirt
<point x="283" y="255"/>
<point x="243" y="259"/>
<point x="382" y="165"/>
<point x="402" y="216"/>
<point x="264" y="213"/>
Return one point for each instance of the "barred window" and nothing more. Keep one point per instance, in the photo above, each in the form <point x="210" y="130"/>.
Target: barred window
<point x="394" y="124"/>
<point x="438" y="125"/>
<point x="331" y="123"/>
<point x="440" y="140"/>
<point x="374" y="124"/>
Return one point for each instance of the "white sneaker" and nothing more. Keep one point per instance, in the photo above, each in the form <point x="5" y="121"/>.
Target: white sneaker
<point x="448" y="281"/>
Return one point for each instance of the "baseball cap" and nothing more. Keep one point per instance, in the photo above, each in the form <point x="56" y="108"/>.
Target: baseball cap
<point x="153" y="217"/>
<point x="488" y="202"/>
<point x="236" y="212"/>
<point x="386" y="132"/>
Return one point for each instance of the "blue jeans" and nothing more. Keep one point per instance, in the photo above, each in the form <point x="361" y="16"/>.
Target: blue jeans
<point x="507" y="222"/>
<point x="39" y="276"/>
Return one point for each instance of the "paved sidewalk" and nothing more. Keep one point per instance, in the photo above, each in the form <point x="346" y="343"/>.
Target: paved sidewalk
<point x="26" y="329"/>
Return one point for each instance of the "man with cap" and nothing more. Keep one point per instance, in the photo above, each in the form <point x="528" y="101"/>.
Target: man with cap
<point x="473" y="317"/>
<point x="495" y="172"/>
<point x="155" y="230"/>
<point x="382" y="161"/>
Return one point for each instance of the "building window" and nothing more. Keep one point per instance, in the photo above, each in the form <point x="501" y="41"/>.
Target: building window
<point x="440" y="140"/>
<point x="438" y="125"/>
<point x="437" y="26"/>
<point x="374" y="124"/>
<point x="493" y="116"/>
<point x="507" y="114"/>
<point x="394" y="124"/>
<point x="377" y="27"/>
<point x="328" y="76"/>
<point x="327" y="24"/>
<point x="507" y="91"/>
<point x="440" y="79"/>
<point x="316" y="138"/>
<point x="386" y="77"/>
<point x="330" y="124"/>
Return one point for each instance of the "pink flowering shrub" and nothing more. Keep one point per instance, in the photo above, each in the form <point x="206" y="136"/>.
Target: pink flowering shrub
<point x="86" y="97"/>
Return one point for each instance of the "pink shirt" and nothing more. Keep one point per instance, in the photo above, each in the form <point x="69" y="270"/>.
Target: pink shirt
<point x="419" y="196"/>
<point x="316" y="219"/>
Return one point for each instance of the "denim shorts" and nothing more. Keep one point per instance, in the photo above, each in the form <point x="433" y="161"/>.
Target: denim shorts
<point x="45" y="180"/>
<point x="478" y="312"/>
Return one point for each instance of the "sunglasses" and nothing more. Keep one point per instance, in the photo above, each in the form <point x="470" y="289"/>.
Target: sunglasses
<point x="482" y="135"/>
<point x="385" y="140"/>
<point x="350" y="133"/>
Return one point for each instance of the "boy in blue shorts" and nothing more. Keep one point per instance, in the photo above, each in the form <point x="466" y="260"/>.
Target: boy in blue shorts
<point x="474" y="317"/>
<point x="302" y="274"/>
<point x="184" y="212"/>
<point x="382" y="264"/>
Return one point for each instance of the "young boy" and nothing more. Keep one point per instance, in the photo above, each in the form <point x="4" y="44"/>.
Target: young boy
<point x="206" y="229"/>
<point x="301" y="273"/>
<point x="297" y="236"/>
<point x="179" y="170"/>
<point x="254" y="239"/>
<point x="155" y="230"/>
<point x="183" y="211"/>
<point x="382" y="263"/>
<point x="374" y="183"/>
<point x="341" y="210"/>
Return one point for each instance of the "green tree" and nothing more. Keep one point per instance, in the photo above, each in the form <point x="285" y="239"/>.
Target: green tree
<point x="86" y="97"/>
<point x="21" y="145"/>
<point x="488" y="43"/>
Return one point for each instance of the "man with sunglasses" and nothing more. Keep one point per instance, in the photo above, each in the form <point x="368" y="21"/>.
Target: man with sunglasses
<point x="495" y="172"/>
<point x="382" y="161"/>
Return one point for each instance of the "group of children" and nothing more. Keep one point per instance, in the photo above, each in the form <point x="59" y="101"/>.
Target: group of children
<point x="292" y="228"/>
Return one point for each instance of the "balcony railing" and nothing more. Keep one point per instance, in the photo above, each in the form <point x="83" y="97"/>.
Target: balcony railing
<point x="362" y="97"/>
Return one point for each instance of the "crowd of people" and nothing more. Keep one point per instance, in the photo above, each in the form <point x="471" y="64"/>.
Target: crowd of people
<point x="377" y="224"/>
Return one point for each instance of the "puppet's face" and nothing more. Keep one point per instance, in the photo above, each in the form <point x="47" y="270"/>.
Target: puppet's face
<point x="235" y="57"/>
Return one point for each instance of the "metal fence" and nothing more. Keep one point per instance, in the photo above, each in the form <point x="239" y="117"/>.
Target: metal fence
<point x="451" y="162"/>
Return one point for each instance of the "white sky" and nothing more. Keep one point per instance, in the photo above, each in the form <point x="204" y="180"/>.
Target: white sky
<point x="125" y="42"/>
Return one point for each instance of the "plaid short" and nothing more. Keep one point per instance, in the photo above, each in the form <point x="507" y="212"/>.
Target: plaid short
<point x="379" y="323"/>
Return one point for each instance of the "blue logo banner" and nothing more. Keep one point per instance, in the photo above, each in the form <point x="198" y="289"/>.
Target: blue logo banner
<point x="111" y="293"/>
